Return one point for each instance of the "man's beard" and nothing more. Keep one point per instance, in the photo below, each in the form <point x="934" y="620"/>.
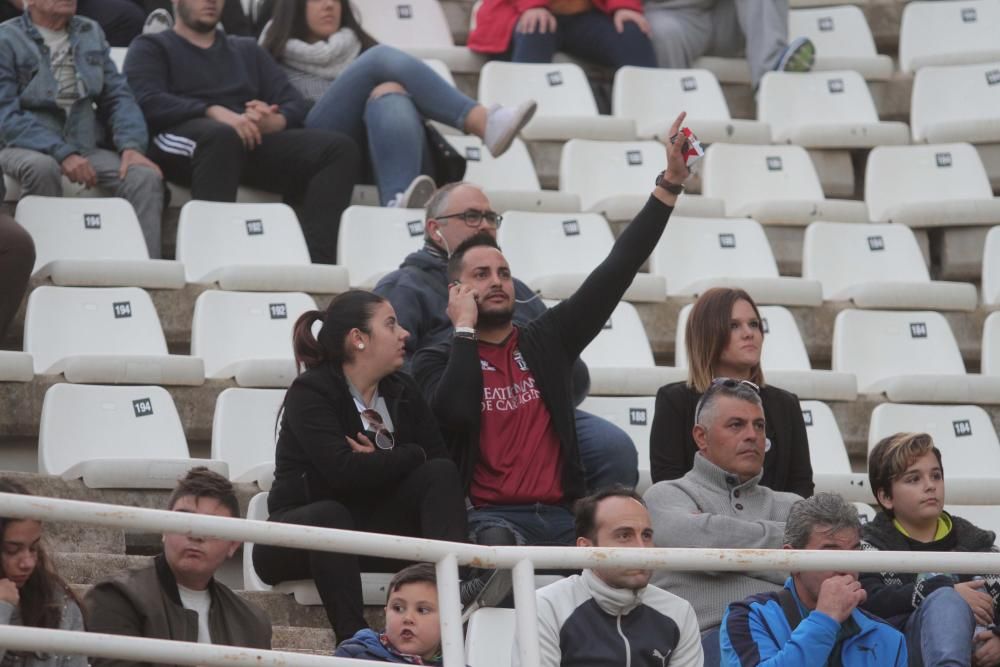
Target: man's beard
<point x="198" y="26"/>
<point x="495" y="318"/>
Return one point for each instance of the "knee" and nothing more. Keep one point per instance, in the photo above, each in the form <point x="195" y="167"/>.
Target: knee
<point x="386" y="88"/>
<point x="143" y="177"/>
<point x="338" y="148"/>
<point x="17" y="245"/>
<point x="41" y="175"/>
<point x="325" y="514"/>
<point x="496" y="536"/>
<point x="439" y="473"/>
<point x="946" y="600"/>
<point x="220" y="137"/>
<point x="385" y="55"/>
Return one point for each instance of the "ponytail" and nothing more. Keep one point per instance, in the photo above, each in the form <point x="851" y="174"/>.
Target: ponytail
<point x="347" y="311"/>
<point x="308" y="352"/>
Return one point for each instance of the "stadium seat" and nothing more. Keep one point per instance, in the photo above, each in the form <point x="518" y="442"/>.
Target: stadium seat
<point x="257" y="247"/>
<point x="374" y="240"/>
<point x="827" y="453"/>
<point x="990" y="359"/>
<point x="178" y="195"/>
<point x="653" y="97"/>
<point x="940" y="185"/>
<point x="824" y="110"/>
<point x="991" y="268"/>
<point x="986" y="517"/>
<point x="616" y="178"/>
<point x="510" y="181"/>
<point x="696" y="254"/>
<point x="489" y="638"/>
<point x="93" y="242"/>
<point x="102" y="335"/>
<point x="244" y="431"/>
<point x="725" y="69"/>
<point x="774" y="185"/>
<point x="948" y="33"/>
<point x="566" y="105"/>
<point x="909" y="356"/>
<point x="248" y="335"/>
<point x="632" y="414"/>
<point x="843" y="40"/>
<point x="16" y="366"/>
<point x="554" y="253"/>
<point x="118" y="56"/>
<point x="877" y="266"/>
<point x="960" y="103"/>
<point x="114" y="437"/>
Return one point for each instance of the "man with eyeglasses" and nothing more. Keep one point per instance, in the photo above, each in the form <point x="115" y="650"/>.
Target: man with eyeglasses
<point x="719" y="504"/>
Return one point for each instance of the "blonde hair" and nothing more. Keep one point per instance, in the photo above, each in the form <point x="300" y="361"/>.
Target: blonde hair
<point x="890" y="458"/>
<point x="707" y="334"/>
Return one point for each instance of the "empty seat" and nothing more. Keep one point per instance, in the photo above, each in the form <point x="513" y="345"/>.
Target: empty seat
<point x="554" y="253"/>
<point x="824" y="110"/>
<point x="909" y="356"/>
<point x="653" y="97"/>
<point x="634" y="415"/>
<point x="939" y="185"/>
<point x="251" y="247"/>
<point x="990" y="358"/>
<point x="960" y="103"/>
<point x="697" y="254"/>
<point x="566" y="105"/>
<point x="991" y="268"/>
<point x="948" y="33"/>
<point x="93" y="242"/>
<point x="102" y="334"/>
<point x="774" y="185"/>
<point x="16" y="367"/>
<point x="114" y="437"/>
<point x="877" y="266"/>
<point x="244" y="431"/>
<point x="843" y="40"/>
<point x="180" y="195"/>
<point x="248" y="335"/>
<point x="399" y="231"/>
<point x="613" y="178"/>
<point x="489" y="638"/>
<point x="827" y="453"/>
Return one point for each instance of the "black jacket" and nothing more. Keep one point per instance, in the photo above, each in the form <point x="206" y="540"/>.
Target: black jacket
<point x="672" y="446"/>
<point x="451" y="376"/>
<point x="314" y="462"/>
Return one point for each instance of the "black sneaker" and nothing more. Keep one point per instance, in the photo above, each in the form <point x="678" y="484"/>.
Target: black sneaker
<point x="487" y="590"/>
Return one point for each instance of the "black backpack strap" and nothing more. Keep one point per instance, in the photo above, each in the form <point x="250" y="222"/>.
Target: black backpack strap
<point x="791" y="609"/>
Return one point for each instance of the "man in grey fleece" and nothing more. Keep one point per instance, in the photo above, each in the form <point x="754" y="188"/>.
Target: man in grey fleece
<point x="719" y="504"/>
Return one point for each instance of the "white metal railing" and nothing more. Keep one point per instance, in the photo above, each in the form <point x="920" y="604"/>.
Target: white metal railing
<point x="448" y="556"/>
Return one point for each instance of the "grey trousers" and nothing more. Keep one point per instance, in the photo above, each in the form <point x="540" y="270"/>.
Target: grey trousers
<point x="40" y="174"/>
<point x="684" y="30"/>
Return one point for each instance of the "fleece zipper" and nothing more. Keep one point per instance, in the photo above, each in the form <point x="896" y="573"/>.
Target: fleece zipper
<point x="628" y="647"/>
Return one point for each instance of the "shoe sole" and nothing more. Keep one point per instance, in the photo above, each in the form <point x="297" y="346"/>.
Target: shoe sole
<point x="506" y="140"/>
<point x="498" y="587"/>
<point x="418" y="194"/>
<point x="801" y="58"/>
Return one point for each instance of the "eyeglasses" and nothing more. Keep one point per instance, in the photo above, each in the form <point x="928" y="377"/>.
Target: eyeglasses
<point x="718" y="384"/>
<point x="383" y="436"/>
<point x="474" y="217"/>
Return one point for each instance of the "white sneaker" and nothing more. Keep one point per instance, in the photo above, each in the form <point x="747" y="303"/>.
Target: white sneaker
<point x="159" y="20"/>
<point x="503" y="123"/>
<point x="416" y="195"/>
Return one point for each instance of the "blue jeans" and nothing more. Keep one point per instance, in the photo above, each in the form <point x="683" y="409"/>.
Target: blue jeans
<point x="531" y="524"/>
<point x="945" y="640"/>
<point x="591" y="36"/>
<point x="608" y="455"/>
<point x="710" y="648"/>
<point x="391" y="128"/>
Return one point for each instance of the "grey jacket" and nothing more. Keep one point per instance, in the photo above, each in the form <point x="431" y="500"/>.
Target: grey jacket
<point x="72" y="619"/>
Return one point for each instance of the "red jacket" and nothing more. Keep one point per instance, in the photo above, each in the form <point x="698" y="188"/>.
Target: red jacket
<point x="496" y="19"/>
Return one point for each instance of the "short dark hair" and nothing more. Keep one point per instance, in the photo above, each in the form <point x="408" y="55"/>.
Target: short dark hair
<point x="201" y="482"/>
<point x="892" y="456"/>
<point x="477" y="240"/>
<point x="413" y="574"/>
<point x="585" y="509"/>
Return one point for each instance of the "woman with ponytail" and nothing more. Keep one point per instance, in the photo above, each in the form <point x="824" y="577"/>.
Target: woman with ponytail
<point x="358" y="449"/>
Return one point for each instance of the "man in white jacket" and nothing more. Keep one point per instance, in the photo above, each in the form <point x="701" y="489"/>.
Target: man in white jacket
<point x="612" y="616"/>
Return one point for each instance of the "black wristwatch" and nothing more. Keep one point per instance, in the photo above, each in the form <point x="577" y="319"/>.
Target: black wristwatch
<point x="662" y="182"/>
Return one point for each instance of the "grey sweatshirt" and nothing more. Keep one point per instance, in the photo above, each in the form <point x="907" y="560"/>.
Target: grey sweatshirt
<point x="708" y="508"/>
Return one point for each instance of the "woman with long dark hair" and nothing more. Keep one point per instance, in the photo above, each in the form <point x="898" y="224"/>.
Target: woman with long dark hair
<point x="378" y="95"/>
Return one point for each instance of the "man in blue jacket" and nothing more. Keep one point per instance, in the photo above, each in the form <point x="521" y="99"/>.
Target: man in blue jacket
<point x="814" y="620"/>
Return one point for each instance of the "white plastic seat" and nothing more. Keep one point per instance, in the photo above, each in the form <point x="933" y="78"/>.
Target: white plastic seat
<point x="877" y="266"/>
<point x="248" y="335"/>
<point x="986" y="517"/>
<point x="509" y="181"/>
<point x="374" y="240"/>
<point x="180" y="195"/>
<point x="696" y="254"/>
<point x="566" y="105"/>
<point x="244" y="432"/>
<point x="939" y="185"/>
<point x="725" y="69"/>
<point x="843" y="40"/>
<point x="824" y="110"/>
<point x="959" y="103"/>
<point x="16" y="367"/>
<point x="990" y="358"/>
<point x="827" y="453"/>
<point x="634" y="415"/>
<point x="554" y="253"/>
<point x="613" y="178"/>
<point x="774" y="185"/>
<point x="948" y="33"/>
<point x="653" y="97"/>
<point x="102" y="334"/>
<point x="909" y="356"/>
<point x="256" y="247"/>
<point x="991" y="268"/>
<point x="489" y="638"/>
<point x="93" y="242"/>
<point x="114" y="437"/>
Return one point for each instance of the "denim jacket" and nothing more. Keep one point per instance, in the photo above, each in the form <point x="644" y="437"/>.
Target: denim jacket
<point x="29" y="115"/>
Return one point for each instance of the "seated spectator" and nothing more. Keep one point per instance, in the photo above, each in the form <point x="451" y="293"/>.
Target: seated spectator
<point x="502" y="391"/>
<point x="17" y="259"/>
<point x="612" y="616"/>
<point x="412" y="625"/>
<point x="939" y="613"/>
<point x="814" y="619"/>
<point x="177" y="596"/>
<point x="685" y="30"/>
<point x="418" y="291"/>
<point x="378" y="95"/>
<point x="121" y="20"/>
<point x="724" y="338"/>
<point x="59" y="109"/>
<point x="31" y="593"/>
<point x="359" y="450"/>
<point x="607" y="32"/>
<point x="720" y="504"/>
<point x="223" y="113"/>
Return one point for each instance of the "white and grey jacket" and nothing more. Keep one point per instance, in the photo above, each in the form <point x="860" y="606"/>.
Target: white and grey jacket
<point x="72" y="619"/>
